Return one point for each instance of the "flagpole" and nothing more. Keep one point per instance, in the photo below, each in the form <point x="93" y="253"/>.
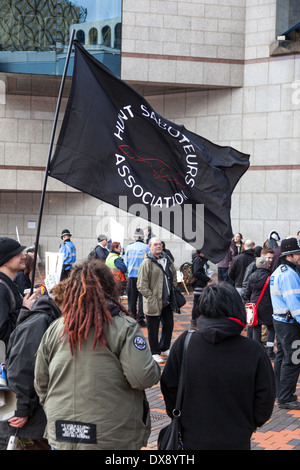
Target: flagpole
<point x="49" y="157"/>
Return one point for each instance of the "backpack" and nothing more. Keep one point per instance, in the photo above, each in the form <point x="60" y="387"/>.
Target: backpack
<point x="92" y="254"/>
<point x="187" y="270"/>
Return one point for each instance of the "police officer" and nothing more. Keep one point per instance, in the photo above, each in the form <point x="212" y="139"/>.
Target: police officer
<point x="134" y="256"/>
<point x="69" y="252"/>
<point x="285" y="296"/>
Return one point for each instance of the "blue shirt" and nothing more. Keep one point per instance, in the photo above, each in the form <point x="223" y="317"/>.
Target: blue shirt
<point x="285" y="293"/>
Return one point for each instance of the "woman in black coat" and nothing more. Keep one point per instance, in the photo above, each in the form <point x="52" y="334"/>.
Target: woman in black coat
<point x="229" y="388"/>
<point x="253" y="290"/>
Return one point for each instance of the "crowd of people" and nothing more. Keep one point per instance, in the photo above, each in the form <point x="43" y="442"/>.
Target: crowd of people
<point x="79" y="363"/>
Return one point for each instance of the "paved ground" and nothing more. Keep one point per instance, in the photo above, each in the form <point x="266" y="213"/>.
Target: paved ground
<point x="281" y="432"/>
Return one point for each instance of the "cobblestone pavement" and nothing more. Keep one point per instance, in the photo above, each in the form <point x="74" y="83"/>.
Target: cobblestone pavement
<point x="281" y="432"/>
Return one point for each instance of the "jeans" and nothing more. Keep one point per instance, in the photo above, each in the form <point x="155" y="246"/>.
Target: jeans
<point x="286" y="368"/>
<point x="167" y="321"/>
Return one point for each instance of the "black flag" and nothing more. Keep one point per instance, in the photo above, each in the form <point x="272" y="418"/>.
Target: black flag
<point x="115" y="147"/>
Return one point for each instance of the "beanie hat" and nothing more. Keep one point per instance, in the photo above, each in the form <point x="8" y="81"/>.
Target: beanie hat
<point x="101" y="238"/>
<point x="262" y="262"/>
<point x="65" y="232"/>
<point x="8" y="249"/>
<point x="289" y="246"/>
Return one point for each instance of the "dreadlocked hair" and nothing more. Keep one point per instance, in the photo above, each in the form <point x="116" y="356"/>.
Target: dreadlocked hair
<point x="89" y="292"/>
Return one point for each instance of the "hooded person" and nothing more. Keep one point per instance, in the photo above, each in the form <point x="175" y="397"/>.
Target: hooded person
<point x="226" y="396"/>
<point x="29" y="418"/>
<point x="272" y="240"/>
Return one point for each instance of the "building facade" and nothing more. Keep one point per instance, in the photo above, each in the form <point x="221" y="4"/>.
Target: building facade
<point x="228" y="70"/>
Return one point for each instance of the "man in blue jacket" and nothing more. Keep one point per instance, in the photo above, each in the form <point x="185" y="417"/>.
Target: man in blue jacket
<point x="285" y="296"/>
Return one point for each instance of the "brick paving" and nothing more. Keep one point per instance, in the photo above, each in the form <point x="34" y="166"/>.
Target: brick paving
<point x="281" y="432"/>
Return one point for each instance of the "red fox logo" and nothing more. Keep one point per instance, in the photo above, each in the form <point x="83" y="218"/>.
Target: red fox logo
<point x="160" y="170"/>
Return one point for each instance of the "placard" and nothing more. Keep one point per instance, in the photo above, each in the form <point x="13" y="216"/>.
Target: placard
<point x="53" y="268"/>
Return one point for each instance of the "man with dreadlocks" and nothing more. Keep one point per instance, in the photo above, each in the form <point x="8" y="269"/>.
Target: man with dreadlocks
<point x="92" y="368"/>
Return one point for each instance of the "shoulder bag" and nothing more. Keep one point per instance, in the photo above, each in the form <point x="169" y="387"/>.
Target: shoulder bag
<point x="170" y="437"/>
<point x="178" y="298"/>
<point x="251" y="308"/>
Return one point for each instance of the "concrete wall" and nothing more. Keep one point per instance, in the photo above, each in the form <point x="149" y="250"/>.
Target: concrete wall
<point x="184" y="42"/>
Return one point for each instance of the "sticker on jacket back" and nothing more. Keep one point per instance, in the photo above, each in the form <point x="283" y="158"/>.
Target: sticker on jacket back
<point x="76" y="432"/>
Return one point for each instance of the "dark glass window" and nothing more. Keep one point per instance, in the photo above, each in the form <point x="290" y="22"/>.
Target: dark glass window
<point x="287" y="16"/>
<point x="35" y="34"/>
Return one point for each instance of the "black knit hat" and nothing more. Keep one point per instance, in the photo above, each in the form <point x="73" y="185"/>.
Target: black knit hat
<point x="8" y="249"/>
<point x="289" y="246"/>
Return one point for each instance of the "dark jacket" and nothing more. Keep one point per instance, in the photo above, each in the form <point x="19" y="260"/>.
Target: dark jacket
<point x="101" y="252"/>
<point x="10" y="306"/>
<point x="23" y="281"/>
<point x="20" y="362"/>
<point x="229" y="386"/>
<point x="238" y="266"/>
<point x="199" y="265"/>
<point x="252" y="292"/>
<point x="277" y="260"/>
<point x="249" y="270"/>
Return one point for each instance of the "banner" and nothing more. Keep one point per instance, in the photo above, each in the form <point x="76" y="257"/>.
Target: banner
<point x="115" y="147"/>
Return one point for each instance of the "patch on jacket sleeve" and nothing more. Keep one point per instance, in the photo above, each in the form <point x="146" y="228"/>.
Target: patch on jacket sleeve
<point x="75" y="431"/>
<point x="139" y="343"/>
